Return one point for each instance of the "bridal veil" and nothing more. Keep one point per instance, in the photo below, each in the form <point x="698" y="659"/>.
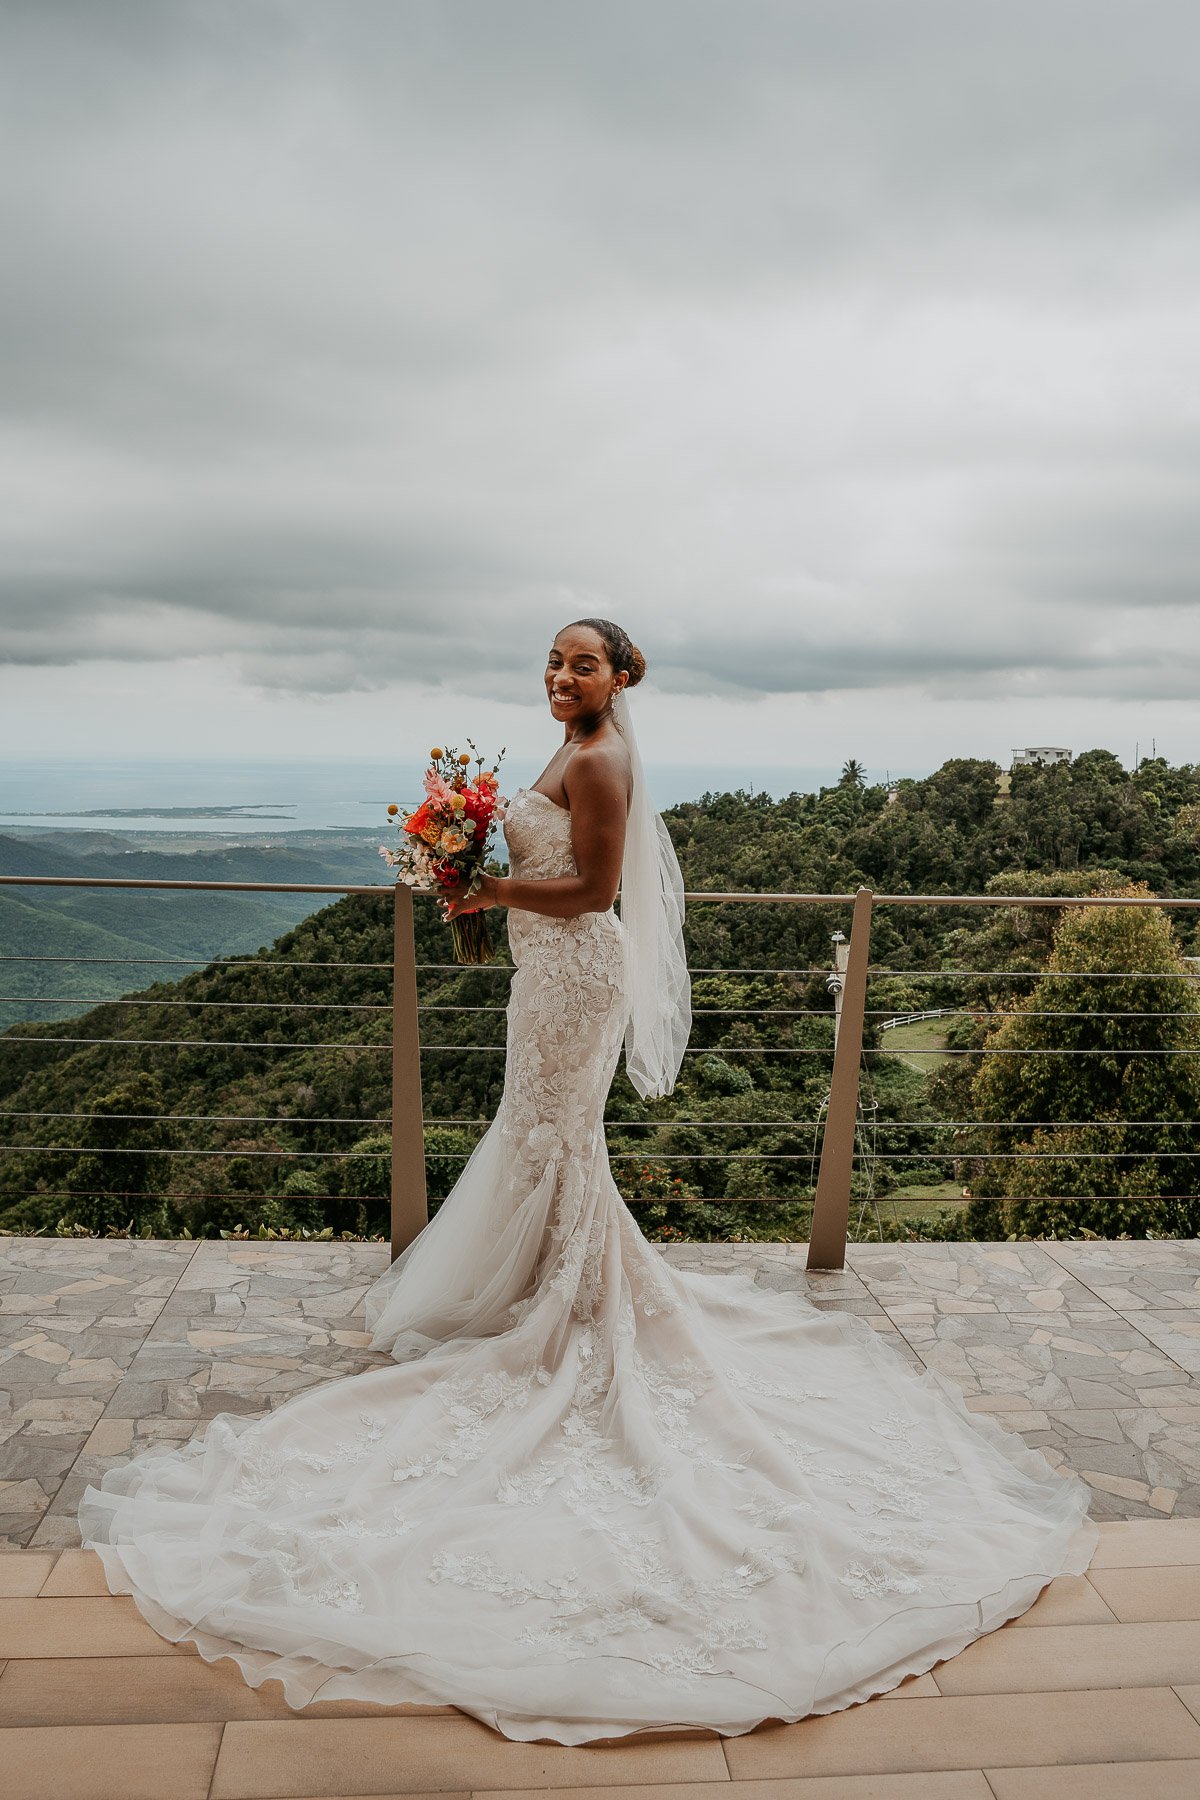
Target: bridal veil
<point x="656" y="977"/>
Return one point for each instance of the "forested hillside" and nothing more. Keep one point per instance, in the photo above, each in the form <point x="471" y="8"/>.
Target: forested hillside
<point x="955" y="832"/>
<point x="96" y="923"/>
<point x="285" y="1084"/>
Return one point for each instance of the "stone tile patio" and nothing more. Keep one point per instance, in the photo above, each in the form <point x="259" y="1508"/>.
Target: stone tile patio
<point x="106" y="1346"/>
<point x="1091" y="1351"/>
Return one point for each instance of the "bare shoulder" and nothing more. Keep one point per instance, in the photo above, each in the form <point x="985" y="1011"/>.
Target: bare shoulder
<point x="600" y="772"/>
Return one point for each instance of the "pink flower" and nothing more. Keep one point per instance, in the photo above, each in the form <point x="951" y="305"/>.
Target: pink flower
<point x="439" y="791"/>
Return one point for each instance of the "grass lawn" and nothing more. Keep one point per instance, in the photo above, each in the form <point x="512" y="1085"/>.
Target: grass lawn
<point x="921" y="1045"/>
<point x="895" y="1207"/>
<point x="897" y="1210"/>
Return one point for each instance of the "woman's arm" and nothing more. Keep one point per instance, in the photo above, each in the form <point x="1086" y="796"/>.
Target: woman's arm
<point x="597" y="787"/>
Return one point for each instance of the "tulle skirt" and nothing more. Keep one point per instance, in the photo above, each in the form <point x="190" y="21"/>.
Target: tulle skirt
<point x="703" y="1504"/>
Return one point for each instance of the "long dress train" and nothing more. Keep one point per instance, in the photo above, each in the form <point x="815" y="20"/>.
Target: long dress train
<point x="595" y="1494"/>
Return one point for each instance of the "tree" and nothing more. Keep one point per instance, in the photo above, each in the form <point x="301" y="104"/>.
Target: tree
<point x="1107" y="1127"/>
<point x="121" y="1186"/>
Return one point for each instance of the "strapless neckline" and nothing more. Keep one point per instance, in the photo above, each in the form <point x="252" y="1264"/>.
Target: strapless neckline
<point x="536" y="793"/>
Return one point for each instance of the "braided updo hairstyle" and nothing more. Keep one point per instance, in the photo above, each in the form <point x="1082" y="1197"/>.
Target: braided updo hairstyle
<point x="623" y="653"/>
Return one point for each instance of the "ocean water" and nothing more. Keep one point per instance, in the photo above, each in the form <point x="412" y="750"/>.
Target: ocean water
<point x="263" y="801"/>
<point x="210" y="798"/>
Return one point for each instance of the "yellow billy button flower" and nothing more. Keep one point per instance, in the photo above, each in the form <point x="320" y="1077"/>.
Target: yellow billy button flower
<point x="464" y="759"/>
<point x="458" y="803"/>
<point x="437" y="753"/>
<point x="392" y="811"/>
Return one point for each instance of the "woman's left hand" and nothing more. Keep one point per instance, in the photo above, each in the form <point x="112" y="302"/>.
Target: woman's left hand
<point x="453" y="906"/>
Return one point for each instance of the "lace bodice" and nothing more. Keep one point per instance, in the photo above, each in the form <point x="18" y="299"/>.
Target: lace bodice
<point x="538" y="834"/>
<point x="540" y="847"/>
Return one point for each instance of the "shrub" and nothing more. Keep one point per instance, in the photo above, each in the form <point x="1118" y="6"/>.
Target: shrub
<point x="1135" y="1184"/>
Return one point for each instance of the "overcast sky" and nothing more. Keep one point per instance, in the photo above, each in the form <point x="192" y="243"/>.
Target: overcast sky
<point x="847" y="353"/>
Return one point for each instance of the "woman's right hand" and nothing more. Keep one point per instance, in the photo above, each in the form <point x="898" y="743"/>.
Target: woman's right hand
<point x="455" y="905"/>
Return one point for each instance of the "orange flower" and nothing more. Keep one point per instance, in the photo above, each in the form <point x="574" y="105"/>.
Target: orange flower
<point x="422" y="824"/>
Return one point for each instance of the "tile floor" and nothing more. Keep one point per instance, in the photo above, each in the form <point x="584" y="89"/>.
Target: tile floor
<point x="1093" y="1695"/>
<point x="1092" y="1351"/>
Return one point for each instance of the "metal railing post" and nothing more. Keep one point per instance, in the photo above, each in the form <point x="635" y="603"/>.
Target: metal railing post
<point x="837" y="980"/>
<point x="831" y="1209"/>
<point x="410" y="1207"/>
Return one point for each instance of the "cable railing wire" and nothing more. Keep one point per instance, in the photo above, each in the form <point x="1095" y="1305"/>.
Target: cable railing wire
<point x="190" y="1150"/>
<point x="1045" y="1156"/>
<point x="253" y="1044"/>
<point x="281" y="1119"/>
<point x="311" y="1236"/>
<point x="1039" y="974"/>
<point x="215" y="1118"/>
<point x="367" y="1155"/>
<point x="225" y="1005"/>
<point x="215" y="962"/>
<point x="994" y="1019"/>
<point x="290" y="1120"/>
<point x="12" y="1035"/>
<point x="1020" y="1124"/>
<point x="698" y="1012"/>
<point x="1115" y="1050"/>
<point x="664" y="1158"/>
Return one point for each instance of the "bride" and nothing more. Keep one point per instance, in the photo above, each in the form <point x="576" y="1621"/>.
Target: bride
<point x="593" y="1494"/>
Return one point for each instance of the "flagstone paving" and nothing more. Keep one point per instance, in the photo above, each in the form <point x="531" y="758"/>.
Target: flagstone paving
<point x="1090" y="1350"/>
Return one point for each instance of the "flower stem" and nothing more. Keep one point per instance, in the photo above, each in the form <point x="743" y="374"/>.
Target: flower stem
<point x="472" y="939"/>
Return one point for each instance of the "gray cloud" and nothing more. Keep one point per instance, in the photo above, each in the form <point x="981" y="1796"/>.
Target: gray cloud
<point x="828" y="346"/>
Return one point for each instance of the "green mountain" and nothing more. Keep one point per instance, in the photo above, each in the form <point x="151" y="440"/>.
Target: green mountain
<point x="125" y="926"/>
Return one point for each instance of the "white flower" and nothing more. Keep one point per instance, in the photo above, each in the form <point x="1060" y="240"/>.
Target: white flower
<point x="544" y="1140"/>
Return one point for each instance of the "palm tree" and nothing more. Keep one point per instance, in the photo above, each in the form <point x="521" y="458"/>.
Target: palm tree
<point x="853" y="774"/>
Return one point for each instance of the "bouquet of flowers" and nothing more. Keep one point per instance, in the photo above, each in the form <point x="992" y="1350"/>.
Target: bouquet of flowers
<point x="444" y="842"/>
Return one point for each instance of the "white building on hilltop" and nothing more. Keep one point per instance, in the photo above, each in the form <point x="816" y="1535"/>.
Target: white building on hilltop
<point x="1040" y="753"/>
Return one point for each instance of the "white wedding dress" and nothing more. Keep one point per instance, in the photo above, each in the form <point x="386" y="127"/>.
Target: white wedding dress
<point x="596" y="1494"/>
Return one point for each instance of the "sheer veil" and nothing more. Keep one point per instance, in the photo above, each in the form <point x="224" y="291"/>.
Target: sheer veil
<point x="656" y="976"/>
